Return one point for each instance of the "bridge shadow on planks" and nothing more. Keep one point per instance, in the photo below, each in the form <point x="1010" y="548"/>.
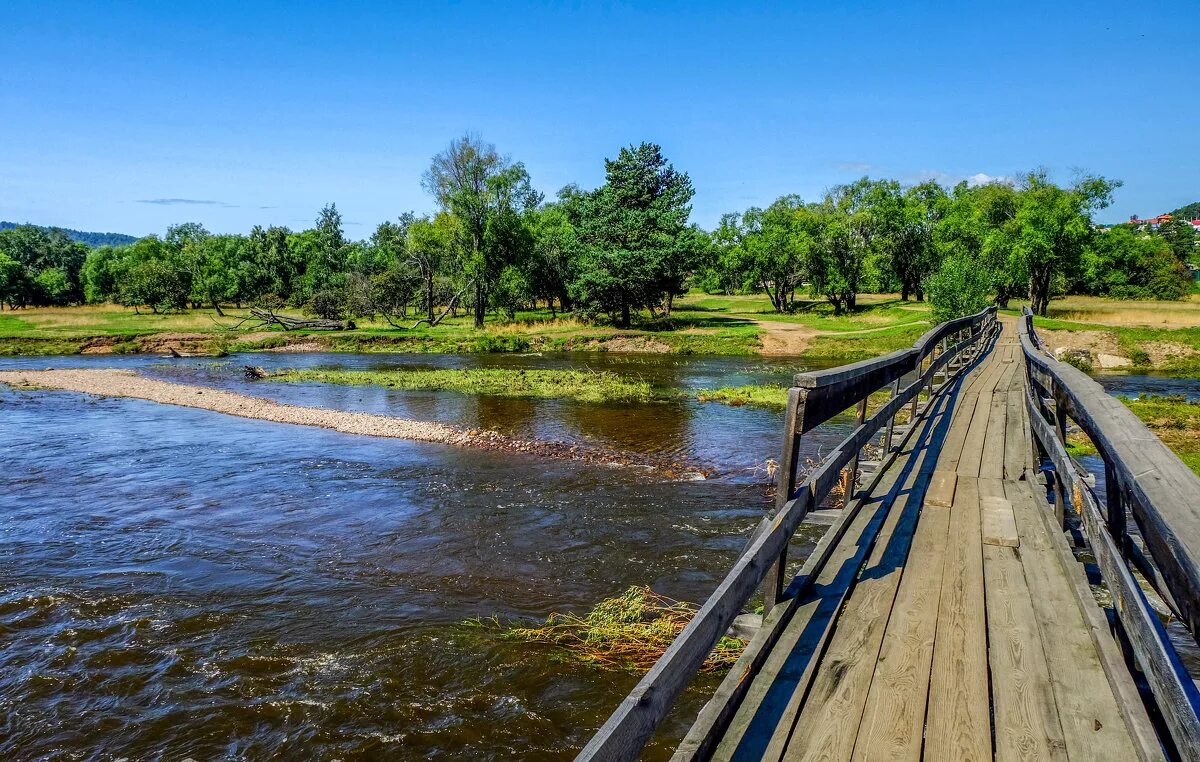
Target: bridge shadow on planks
<point x="926" y="447"/>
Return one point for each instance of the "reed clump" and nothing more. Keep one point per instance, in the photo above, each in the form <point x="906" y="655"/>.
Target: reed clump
<point x="628" y="632"/>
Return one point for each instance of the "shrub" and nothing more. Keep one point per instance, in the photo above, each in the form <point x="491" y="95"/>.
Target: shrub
<point x="959" y="287"/>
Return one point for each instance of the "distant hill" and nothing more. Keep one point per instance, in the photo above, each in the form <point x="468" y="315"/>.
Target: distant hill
<point x="87" y="239"/>
<point x="1189" y="212"/>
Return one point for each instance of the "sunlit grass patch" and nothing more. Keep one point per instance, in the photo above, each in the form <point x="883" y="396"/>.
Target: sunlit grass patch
<point x="768" y="395"/>
<point x="629" y="632"/>
<point x="579" y="385"/>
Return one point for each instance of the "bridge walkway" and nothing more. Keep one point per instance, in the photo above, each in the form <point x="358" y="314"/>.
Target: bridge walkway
<point x="951" y="620"/>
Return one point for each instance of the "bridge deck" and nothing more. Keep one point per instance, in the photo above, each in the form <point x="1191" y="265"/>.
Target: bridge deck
<point x="951" y="622"/>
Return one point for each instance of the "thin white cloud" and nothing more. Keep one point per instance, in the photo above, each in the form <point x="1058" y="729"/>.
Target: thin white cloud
<point x="182" y="202"/>
<point x="851" y="166"/>
<point x="950" y="179"/>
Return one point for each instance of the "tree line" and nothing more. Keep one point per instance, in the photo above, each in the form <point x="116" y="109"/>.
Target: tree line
<point x="624" y="249"/>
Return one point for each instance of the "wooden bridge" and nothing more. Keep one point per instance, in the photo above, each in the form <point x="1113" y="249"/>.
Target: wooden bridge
<point x="947" y="612"/>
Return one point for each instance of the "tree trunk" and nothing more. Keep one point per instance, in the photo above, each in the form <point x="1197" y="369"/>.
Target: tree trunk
<point x="479" y="305"/>
<point x="904" y="292"/>
<point x="429" y="296"/>
<point x="624" y="313"/>
<point x="217" y="307"/>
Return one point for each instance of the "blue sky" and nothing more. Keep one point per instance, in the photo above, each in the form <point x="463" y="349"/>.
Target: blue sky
<point x="128" y="117"/>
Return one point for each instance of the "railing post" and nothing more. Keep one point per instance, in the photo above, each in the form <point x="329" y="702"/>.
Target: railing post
<point x="785" y="486"/>
<point x="1060" y="430"/>
<point x="851" y="481"/>
<point x="887" y="437"/>
<point x="1114" y="503"/>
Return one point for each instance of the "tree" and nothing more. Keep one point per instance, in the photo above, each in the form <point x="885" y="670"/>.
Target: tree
<point x="326" y="249"/>
<point x="634" y="234"/>
<point x="1053" y="226"/>
<point x="768" y="250"/>
<point x="430" y="249"/>
<point x="476" y="184"/>
<point x="912" y="220"/>
<point x="1127" y="264"/>
<point x="855" y="223"/>
<point x="1181" y="237"/>
<point x="12" y="282"/>
<point x="277" y="268"/>
<point x="553" y="263"/>
<point x="156" y="283"/>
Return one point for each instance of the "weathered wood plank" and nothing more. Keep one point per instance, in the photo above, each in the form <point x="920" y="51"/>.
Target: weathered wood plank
<point x="999" y="524"/>
<point x="893" y="720"/>
<point x="1026" y="714"/>
<point x="828" y="725"/>
<point x="957" y="724"/>
<point x="1089" y="713"/>
<point x="941" y="489"/>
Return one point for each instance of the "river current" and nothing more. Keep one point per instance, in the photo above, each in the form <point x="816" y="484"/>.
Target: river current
<point x="177" y="583"/>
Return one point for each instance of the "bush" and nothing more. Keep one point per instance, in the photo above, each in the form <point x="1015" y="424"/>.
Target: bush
<point x="959" y="287"/>
<point x="328" y="304"/>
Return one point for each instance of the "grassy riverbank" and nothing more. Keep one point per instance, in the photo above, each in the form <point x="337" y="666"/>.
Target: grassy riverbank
<point x="1162" y="337"/>
<point x="1174" y="420"/>
<point x="700" y="325"/>
<point x="1129" y="336"/>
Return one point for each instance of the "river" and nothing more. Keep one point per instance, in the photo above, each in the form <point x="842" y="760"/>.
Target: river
<point x="181" y="583"/>
<point x="177" y="583"/>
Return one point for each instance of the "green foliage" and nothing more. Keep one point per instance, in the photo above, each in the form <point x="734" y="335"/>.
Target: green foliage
<point x="160" y="284"/>
<point x="636" y="246"/>
<point x="88" y="239"/>
<point x="960" y="287"/>
<point x="1187" y="212"/>
<point x="1126" y="263"/>
<point x="1053" y="228"/>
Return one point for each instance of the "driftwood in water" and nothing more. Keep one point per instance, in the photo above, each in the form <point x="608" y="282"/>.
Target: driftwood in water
<point x="254" y="373"/>
<point x="269" y="318"/>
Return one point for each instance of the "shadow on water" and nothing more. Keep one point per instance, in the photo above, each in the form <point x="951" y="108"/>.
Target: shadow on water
<point x="181" y="583"/>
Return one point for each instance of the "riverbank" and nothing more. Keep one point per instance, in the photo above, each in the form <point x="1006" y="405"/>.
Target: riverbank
<point x="700" y="325"/>
<point x="1107" y="335"/>
<point x="122" y="383"/>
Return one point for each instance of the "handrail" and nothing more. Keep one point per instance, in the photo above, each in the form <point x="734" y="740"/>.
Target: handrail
<point x="1143" y="478"/>
<point x="943" y="351"/>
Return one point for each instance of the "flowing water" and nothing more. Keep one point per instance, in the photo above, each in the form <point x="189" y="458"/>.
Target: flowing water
<point x="178" y="583"/>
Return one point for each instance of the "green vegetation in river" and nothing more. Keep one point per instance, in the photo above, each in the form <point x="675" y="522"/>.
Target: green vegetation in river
<point x="580" y="385"/>
<point x="629" y="632"/>
<point x="767" y="395"/>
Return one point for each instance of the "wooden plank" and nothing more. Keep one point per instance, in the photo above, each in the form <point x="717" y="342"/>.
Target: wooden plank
<point x="789" y="665"/>
<point x="992" y="463"/>
<point x="999" y="524"/>
<point x="970" y="459"/>
<point x="772" y="699"/>
<point x="1026" y="715"/>
<point x="893" y="720"/>
<point x="957" y="726"/>
<point x="1089" y="715"/>
<point x="941" y="489"/>
<point x="828" y="724"/>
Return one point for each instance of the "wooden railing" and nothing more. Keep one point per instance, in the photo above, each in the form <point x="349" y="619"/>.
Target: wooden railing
<point x="1145" y="480"/>
<point x="926" y="368"/>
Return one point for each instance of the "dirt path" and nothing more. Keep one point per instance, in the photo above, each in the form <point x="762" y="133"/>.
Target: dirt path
<point x="125" y="383"/>
<point x="784" y="339"/>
